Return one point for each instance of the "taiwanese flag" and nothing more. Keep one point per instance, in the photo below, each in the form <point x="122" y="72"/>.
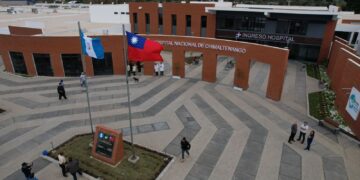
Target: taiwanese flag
<point x="142" y="49"/>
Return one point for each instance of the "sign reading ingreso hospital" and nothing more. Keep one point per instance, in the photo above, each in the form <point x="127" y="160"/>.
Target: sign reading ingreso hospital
<point x="353" y="104"/>
<point x="204" y="46"/>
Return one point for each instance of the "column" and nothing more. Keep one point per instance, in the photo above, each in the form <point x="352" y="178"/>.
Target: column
<point x="242" y="70"/>
<point x="57" y="65"/>
<point x="178" y="63"/>
<point x="209" y="67"/>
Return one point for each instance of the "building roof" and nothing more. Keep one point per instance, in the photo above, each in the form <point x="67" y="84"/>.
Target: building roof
<point x="62" y="22"/>
<point x="267" y="9"/>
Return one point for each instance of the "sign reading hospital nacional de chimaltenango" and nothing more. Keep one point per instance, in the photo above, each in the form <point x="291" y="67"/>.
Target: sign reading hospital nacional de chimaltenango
<point x="353" y="104"/>
<point x="203" y="45"/>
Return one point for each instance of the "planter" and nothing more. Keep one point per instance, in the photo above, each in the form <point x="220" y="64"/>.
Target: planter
<point x="332" y="122"/>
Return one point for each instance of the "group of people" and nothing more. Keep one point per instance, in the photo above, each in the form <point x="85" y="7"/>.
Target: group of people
<point x="303" y="131"/>
<point x="71" y="166"/>
<point x="159" y="69"/>
<point x="133" y="68"/>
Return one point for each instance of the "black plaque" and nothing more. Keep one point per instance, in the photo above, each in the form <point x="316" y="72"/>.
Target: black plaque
<point x="105" y="144"/>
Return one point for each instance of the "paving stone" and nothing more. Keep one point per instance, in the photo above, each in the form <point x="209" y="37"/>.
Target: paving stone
<point x="126" y="131"/>
<point x="160" y="126"/>
<point x="334" y="168"/>
<point x="145" y="128"/>
<point x="14" y="134"/>
<point x="38" y="164"/>
<point x="290" y="165"/>
<point x="241" y="175"/>
<point x="9" y="155"/>
<point x="200" y="171"/>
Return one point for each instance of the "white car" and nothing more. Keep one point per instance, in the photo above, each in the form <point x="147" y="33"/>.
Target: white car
<point x="72" y="2"/>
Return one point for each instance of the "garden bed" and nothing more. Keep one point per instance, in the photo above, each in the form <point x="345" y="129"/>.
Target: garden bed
<point x="149" y="166"/>
<point x="316" y="108"/>
<point x="312" y="70"/>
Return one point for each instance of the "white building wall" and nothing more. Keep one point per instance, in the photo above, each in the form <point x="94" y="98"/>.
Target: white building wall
<point x="117" y="13"/>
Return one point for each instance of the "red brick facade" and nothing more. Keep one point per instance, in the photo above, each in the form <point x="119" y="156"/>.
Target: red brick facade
<point x="344" y="72"/>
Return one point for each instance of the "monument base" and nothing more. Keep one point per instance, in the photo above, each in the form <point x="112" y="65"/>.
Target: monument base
<point x="133" y="159"/>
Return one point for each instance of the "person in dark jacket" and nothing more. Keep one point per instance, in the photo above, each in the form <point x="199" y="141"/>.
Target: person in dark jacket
<point x="185" y="147"/>
<point x="310" y="140"/>
<point x="73" y="168"/>
<point x="61" y="90"/>
<point x="293" y="132"/>
<point x="26" y="169"/>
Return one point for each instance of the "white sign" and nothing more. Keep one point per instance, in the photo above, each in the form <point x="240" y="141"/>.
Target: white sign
<point x="261" y="36"/>
<point x="353" y="104"/>
<point x="203" y="45"/>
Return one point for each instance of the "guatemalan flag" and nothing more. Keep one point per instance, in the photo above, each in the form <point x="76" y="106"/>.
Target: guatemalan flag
<point x="92" y="46"/>
<point x="142" y="49"/>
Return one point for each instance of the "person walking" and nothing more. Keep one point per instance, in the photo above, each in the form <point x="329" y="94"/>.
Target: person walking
<point x="73" y="167"/>
<point x="303" y="129"/>
<point x="161" y="68"/>
<point x="26" y="168"/>
<point x="62" y="163"/>
<point x="82" y="79"/>
<point x="293" y="133"/>
<point x="61" y="90"/>
<point x="185" y="147"/>
<point x="310" y="140"/>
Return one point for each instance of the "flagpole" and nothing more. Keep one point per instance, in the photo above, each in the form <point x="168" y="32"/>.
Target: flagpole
<point x="86" y="84"/>
<point x="128" y="93"/>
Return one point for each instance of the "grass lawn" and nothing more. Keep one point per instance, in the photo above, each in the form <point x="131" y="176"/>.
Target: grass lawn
<point x="313" y="71"/>
<point x="148" y="167"/>
<point x="314" y="105"/>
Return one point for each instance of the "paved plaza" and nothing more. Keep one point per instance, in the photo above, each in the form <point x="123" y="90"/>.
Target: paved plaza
<point x="234" y="134"/>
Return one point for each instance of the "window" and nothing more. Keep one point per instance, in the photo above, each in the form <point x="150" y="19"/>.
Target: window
<point x="355" y="36"/>
<point x="188" y="21"/>
<point x="203" y="26"/>
<point x="43" y="64"/>
<point x="245" y="23"/>
<point x="72" y="64"/>
<point x="147" y="22"/>
<point x="173" y="19"/>
<point x="18" y="62"/>
<point x="229" y="23"/>
<point x="122" y="12"/>
<point x="147" y="18"/>
<point x="282" y="27"/>
<point x="188" y="25"/>
<point x="135" y="18"/>
<point x="160" y="19"/>
<point x="103" y="66"/>
<point x="116" y="13"/>
<point x="298" y="27"/>
<point x="203" y="21"/>
<point x="160" y="23"/>
<point x="173" y="24"/>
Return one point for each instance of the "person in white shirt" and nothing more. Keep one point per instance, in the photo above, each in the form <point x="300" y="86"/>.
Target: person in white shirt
<point x="62" y="163"/>
<point x="161" y="68"/>
<point x="134" y="69"/>
<point x="303" y="129"/>
<point x="156" y="69"/>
